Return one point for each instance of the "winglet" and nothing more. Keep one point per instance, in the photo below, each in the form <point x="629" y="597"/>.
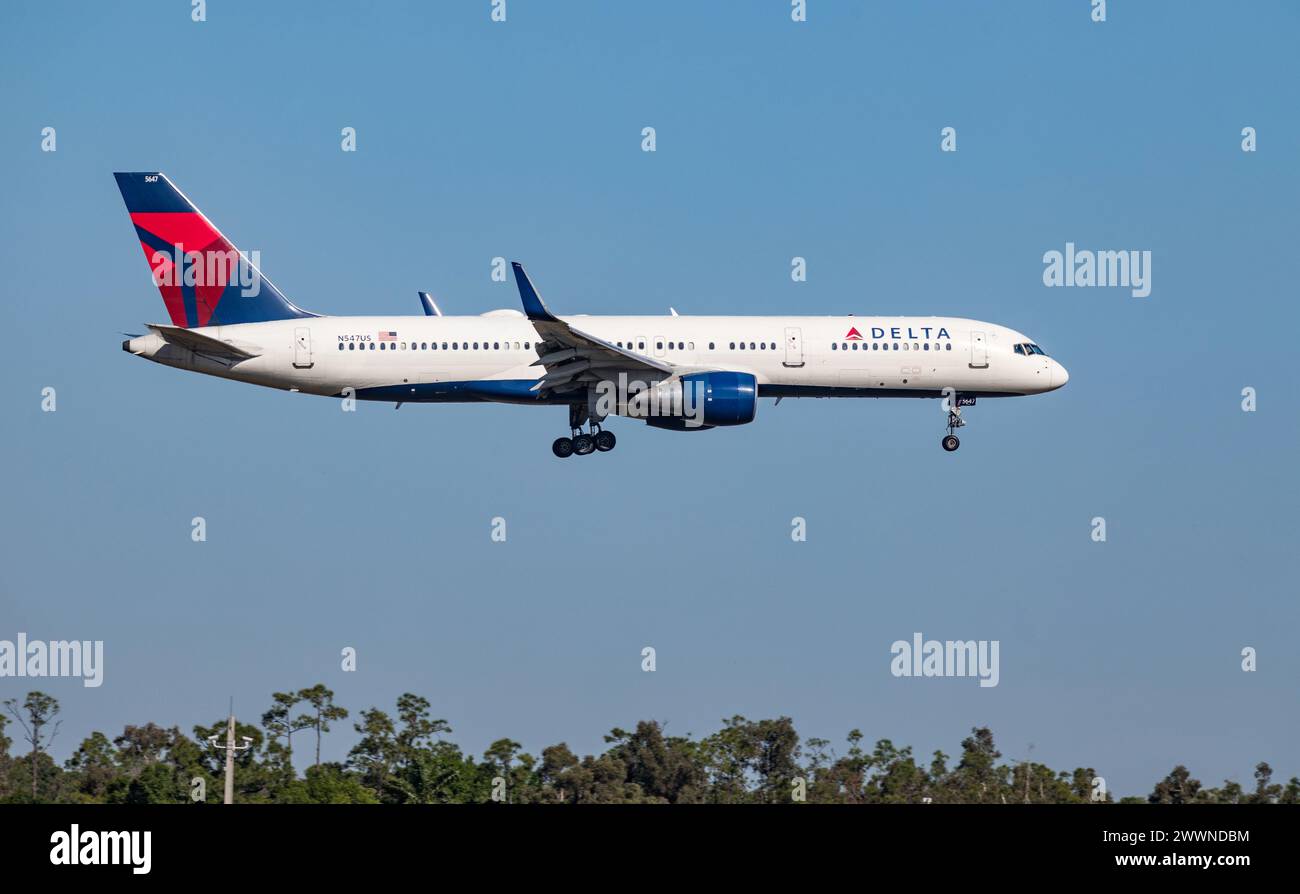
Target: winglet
<point x="431" y="308"/>
<point x="533" y="305"/>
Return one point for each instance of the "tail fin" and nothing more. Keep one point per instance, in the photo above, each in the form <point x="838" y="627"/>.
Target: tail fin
<point x="204" y="280"/>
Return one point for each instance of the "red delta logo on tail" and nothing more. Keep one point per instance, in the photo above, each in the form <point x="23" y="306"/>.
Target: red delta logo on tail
<point x="854" y="334"/>
<point x="184" y="250"/>
<point x="203" y="278"/>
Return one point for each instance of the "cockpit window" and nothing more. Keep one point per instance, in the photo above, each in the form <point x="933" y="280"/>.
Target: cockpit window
<point x="1030" y="349"/>
<point x="1020" y="349"/>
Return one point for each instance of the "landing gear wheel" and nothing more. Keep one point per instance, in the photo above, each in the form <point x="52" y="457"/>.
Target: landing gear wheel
<point x="605" y="441"/>
<point x="950" y="443"/>
<point x="584" y="444"/>
<point x="563" y="447"/>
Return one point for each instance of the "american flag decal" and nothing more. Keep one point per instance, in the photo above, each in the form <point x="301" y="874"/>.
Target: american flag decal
<point x="388" y="336"/>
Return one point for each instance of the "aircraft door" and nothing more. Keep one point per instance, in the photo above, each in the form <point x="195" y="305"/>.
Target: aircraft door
<point x="793" y="346"/>
<point x="302" y="348"/>
<point x="979" y="351"/>
<point x="659" y="345"/>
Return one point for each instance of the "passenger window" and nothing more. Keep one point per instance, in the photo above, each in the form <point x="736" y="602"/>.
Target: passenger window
<point x="835" y="346"/>
<point x="496" y="345"/>
<point x="751" y="346"/>
<point x="710" y="346"/>
<point x="341" y="348"/>
<point x="948" y="346"/>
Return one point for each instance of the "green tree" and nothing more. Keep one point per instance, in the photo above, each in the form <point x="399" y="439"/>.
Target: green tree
<point x="760" y="753"/>
<point x="6" y="762"/>
<point x="670" y="769"/>
<point x="1291" y="794"/>
<point x="1266" y="791"/>
<point x="323" y="710"/>
<point x="94" y="767"/>
<point x="977" y="778"/>
<point x="280" y="724"/>
<point x="1177" y="788"/>
<point x="375" y="755"/>
<point x="40" y="710"/>
<point x="327" y="783"/>
<point x="256" y="780"/>
<point x="417" y="729"/>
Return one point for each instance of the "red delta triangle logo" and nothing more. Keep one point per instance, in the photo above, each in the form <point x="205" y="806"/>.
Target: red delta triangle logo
<point x="854" y="334"/>
<point x="176" y="241"/>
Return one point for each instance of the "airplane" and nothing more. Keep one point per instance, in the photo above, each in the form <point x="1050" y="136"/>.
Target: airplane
<point x="677" y="372"/>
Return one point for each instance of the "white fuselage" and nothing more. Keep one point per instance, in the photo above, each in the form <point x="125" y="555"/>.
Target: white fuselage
<point x="449" y="358"/>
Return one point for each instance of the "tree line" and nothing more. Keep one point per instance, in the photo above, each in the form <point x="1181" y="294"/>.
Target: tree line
<point x="404" y="757"/>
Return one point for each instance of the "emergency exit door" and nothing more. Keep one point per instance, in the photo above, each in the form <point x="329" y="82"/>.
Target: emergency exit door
<point x="793" y="347"/>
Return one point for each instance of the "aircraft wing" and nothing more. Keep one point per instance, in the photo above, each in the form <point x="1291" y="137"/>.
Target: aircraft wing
<point x="574" y="359"/>
<point x="203" y="344"/>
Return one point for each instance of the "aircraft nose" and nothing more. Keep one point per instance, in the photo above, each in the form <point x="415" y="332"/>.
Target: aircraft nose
<point x="1059" y="375"/>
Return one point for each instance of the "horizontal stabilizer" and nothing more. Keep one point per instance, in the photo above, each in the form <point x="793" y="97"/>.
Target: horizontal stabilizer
<point x="201" y="344"/>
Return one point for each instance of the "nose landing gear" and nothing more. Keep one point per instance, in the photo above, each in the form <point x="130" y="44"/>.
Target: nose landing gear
<point x="950" y="441"/>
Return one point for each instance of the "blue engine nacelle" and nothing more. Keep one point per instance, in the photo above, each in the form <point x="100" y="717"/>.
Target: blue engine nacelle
<point x="706" y="400"/>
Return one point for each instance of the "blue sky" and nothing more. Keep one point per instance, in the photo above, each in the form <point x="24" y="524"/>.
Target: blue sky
<point x="522" y="139"/>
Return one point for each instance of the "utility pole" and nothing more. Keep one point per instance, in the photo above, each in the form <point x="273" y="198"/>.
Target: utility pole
<point x="230" y="748"/>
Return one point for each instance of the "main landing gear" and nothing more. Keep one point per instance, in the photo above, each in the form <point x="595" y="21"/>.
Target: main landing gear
<point x="581" y="443"/>
<point x="950" y="441"/>
<point x="584" y="444"/>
